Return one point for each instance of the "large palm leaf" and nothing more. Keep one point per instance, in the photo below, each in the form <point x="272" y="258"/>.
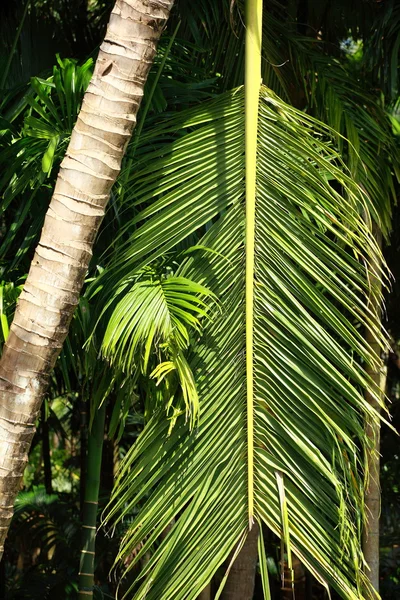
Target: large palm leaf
<point x="280" y="372"/>
<point x="311" y="252"/>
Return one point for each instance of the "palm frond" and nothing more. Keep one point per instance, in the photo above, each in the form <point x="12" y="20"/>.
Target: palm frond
<point x="328" y="88"/>
<point x="382" y="48"/>
<point x="338" y="97"/>
<point x="157" y="315"/>
<point x="311" y="280"/>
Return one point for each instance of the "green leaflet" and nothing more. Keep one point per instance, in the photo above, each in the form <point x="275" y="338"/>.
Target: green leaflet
<point x="311" y="248"/>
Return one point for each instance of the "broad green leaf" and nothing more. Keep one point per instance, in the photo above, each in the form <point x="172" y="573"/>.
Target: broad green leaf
<point x="48" y="156"/>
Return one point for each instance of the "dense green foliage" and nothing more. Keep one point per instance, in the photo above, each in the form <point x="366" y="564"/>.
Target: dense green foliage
<point x="163" y="299"/>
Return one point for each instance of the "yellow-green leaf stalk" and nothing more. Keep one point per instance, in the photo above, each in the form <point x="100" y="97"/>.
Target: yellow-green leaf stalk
<point x="252" y="93"/>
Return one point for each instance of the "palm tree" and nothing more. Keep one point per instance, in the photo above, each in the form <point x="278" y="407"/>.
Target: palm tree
<point x="87" y="173"/>
<point x="142" y="186"/>
<point x="279" y="436"/>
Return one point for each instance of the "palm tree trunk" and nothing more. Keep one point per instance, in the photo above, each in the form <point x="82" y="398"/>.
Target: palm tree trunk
<point x="93" y="470"/>
<point x="294" y="581"/>
<point x="241" y="579"/>
<point x="59" y="267"/>
<point x="370" y="542"/>
<point x="309" y="585"/>
<point x="206" y="593"/>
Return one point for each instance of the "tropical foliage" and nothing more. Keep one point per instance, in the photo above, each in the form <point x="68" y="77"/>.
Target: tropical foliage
<point x="158" y="341"/>
<point x="306" y="333"/>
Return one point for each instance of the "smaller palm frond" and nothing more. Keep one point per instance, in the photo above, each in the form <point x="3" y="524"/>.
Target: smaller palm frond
<point x="44" y="527"/>
<point x="176" y="79"/>
<point x="313" y="255"/>
<point x="201" y="20"/>
<point x="366" y="141"/>
<point x="80" y="369"/>
<point x="152" y="325"/>
<point x="48" y="519"/>
<point x="217" y="32"/>
<point x="36" y="500"/>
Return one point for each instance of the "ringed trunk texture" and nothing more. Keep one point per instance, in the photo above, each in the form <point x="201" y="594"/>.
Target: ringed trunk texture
<point x="242" y="576"/>
<point x="370" y="542"/>
<point x="87" y="173"/>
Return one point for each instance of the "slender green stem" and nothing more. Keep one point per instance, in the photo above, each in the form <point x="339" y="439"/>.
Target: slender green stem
<point x="252" y="93"/>
<point x="13" y="47"/>
<point x="94" y="456"/>
<point x="83" y="426"/>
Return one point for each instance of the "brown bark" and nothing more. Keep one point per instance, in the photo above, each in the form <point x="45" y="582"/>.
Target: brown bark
<point x="206" y="593"/>
<point x="294" y="581"/>
<point x="373" y="506"/>
<point x="56" y="276"/>
<point x="241" y="579"/>
<point x="370" y="542"/>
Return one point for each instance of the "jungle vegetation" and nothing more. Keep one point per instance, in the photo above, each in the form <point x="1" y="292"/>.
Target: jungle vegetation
<point x="204" y="417"/>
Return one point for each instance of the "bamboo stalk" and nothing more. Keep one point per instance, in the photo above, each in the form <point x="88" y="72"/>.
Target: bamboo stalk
<point x="14" y="46"/>
<point x="93" y="470"/>
<point x="83" y="435"/>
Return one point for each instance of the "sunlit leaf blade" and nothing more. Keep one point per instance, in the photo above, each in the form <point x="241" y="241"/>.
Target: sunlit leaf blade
<point x="312" y="248"/>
